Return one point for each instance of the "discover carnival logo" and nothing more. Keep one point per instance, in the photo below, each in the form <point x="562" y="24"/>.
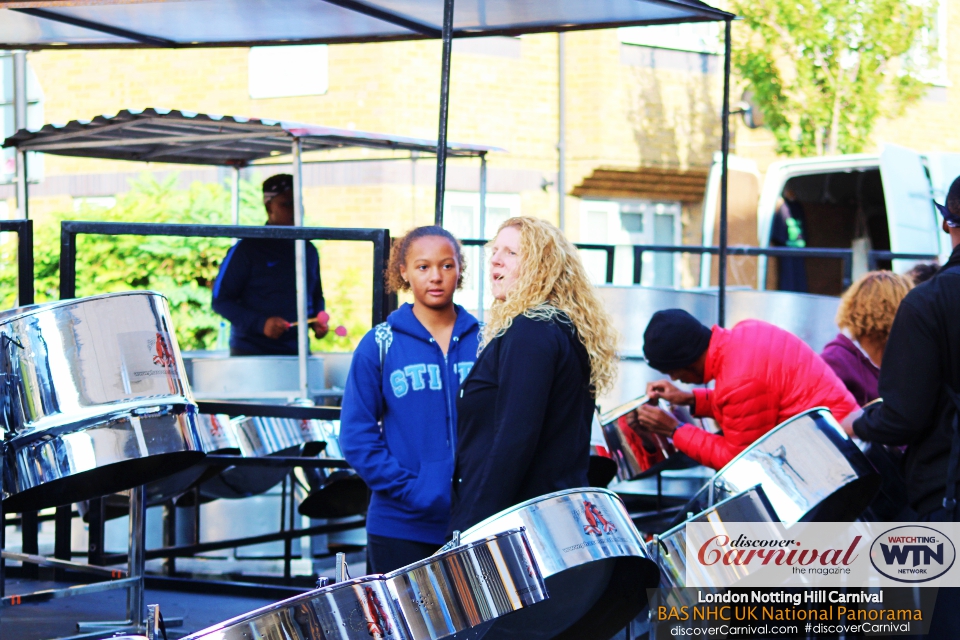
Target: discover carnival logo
<point x="912" y="554"/>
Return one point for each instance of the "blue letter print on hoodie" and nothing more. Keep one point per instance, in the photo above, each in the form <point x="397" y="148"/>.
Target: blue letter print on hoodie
<point x="398" y="424"/>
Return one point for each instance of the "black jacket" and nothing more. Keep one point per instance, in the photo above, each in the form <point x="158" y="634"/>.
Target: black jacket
<point x="524" y="416"/>
<point x="922" y="355"/>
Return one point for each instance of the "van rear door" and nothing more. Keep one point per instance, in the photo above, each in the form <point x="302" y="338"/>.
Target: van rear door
<point x="911" y="216"/>
<point x="944" y="168"/>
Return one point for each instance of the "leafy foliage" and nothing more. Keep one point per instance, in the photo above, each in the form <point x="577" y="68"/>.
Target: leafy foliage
<point x="183" y="269"/>
<point x="824" y="71"/>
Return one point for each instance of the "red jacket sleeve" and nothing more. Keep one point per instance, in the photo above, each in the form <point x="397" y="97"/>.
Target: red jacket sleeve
<point x="745" y="412"/>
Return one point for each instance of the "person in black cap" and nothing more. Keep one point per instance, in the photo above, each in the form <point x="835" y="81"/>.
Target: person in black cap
<point x="256" y="286"/>
<point x="919" y="384"/>
<point x="764" y="375"/>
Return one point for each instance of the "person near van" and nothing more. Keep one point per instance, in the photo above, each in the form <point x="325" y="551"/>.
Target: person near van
<point x="919" y="384"/>
<point x="764" y="375"/>
<point x="256" y="288"/>
<point x="787" y="230"/>
<point x="864" y="316"/>
<point x="399" y="417"/>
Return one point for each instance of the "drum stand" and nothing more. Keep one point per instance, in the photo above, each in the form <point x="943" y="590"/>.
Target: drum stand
<point x="130" y="580"/>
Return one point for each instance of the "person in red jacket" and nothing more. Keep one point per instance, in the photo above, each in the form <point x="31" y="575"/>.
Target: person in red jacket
<point x="764" y="375"/>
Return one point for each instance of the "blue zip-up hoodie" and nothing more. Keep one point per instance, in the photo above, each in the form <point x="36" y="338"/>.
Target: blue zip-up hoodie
<point x="398" y="424"/>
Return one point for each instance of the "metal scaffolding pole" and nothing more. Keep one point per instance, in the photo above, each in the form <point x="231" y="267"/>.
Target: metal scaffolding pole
<point x="483" y="232"/>
<point x="561" y="133"/>
<point x="235" y="195"/>
<point x="300" y="255"/>
<point x="20" y="122"/>
<point x="444" y="109"/>
<point x="725" y="152"/>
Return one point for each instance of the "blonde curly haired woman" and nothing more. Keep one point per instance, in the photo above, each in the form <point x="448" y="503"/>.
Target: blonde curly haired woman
<point x="865" y="316"/>
<point x="547" y="351"/>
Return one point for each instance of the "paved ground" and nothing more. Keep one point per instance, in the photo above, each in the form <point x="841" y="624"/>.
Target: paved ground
<point x="58" y="618"/>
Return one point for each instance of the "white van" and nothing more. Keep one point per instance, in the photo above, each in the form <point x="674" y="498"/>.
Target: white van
<point x="881" y="202"/>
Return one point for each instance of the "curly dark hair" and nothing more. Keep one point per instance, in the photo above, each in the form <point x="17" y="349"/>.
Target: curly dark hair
<point x="398" y="256"/>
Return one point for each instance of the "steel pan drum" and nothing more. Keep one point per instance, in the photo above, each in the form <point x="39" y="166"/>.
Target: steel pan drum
<point x="92" y="399"/>
<point x="638" y="453"/>
<point x="334" y="493"/>
<point x="459" y="593"/>
<point x="593" y="561"/>
<point x="809" y="470"/>
<point x="670" y="549"/>
<point x="259" y="437"/>
<point x="358" y="609"/>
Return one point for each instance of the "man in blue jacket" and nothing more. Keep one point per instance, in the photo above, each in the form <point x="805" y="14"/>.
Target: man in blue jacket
<point x="256" y="287"/>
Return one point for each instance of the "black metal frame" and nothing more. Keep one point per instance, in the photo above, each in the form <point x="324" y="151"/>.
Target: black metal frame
<point x="287" y="533"/>
<point x="845" y="255"/>
<point x="380" y="238"/>
<point x="24" y="231"/>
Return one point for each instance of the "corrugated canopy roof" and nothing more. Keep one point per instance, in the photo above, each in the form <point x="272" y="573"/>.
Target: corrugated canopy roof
<point x="41" y="24"/>
<point x="158" y="135"/>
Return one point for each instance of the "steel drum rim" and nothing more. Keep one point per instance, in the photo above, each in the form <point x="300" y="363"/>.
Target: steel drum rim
<point x="753" y="445"/>
<point x="33" y="309"/>
<point x="249" y="616"/>
<point x="539" y="499"/>
<point x="618" y="412"/>
<point x="675" y="529"/>
<point x="447" y="550"/>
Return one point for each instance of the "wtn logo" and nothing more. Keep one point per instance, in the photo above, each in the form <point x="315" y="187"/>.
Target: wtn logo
<point x="912" y="554"/>
<point x="899" y="554"/>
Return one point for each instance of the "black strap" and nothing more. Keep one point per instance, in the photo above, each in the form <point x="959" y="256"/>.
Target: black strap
<point x="953" y="473"/>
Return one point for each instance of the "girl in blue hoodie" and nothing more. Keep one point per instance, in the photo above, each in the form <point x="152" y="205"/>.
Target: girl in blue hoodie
<point x="398" y="424"/>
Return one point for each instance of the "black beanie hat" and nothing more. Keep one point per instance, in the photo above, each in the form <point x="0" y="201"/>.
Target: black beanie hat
<point x="674" y="339"/>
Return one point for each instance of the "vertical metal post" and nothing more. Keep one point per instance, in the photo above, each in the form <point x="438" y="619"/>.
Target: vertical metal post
<point x="300" y="255"/>
<point x="68" y="263"/>
<point x="25" y="264"/>
<point x="235" y="195"/>
<point x="725" y="151"/>
<point x="444" y="109"/>
<point x="96" y="522"/>
<point x="61" y="544"/>
<point x="135" y="555"/>
<point x="30" y="531"/>
<point x="561" y="133"/>
<point x="483" y="233"/>
<point x="20" y="122"/>
<point x="383" y="302"/>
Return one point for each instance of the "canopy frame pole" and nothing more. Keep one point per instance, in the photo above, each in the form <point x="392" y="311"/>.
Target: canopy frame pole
<point x="724" y="175"/>
<point x="561" y="133"/>
<point x="235" y="195"/>
<point x="20" y="122"/>
<point x="300" y="256"/>
<point x="482" y="234"/>
<point x="447" y="36"/>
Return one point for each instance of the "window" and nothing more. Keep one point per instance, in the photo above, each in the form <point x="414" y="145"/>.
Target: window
<point x="626" y="223"/>
<point x="461" y="217"/>
<point x="284" y="72"/>
<point x="8" y="160"/>
<point x="699" y="37"/>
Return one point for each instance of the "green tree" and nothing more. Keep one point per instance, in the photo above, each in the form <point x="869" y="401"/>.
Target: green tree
<point x="823" y="71"/>
<point x="183" y="269"/>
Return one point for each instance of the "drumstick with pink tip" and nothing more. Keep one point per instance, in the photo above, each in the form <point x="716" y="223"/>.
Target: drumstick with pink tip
<point x="324" y="317"/>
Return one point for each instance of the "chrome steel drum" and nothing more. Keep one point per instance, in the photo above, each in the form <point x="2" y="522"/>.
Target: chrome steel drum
<point x="459" y="593"/>
<point x="670" y="549"/>
<point x="259" y="437"/>
<point x="358" y="609"/>
<point x="334" y="493"/>
<point x="809" y="470"/>
<point x="93" y="399"/>
<point x="638" y="453"/>
<point x="593" y="561"/>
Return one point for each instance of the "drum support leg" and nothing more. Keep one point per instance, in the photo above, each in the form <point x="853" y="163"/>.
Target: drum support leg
<point x="97" y="519"/>
<point x="61" y="544"/>
<point x="30" y="530"/>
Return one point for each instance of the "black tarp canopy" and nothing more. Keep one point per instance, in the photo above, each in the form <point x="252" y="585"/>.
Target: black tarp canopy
<point x="163" y="135"/>
<point x="28" y="24"/>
